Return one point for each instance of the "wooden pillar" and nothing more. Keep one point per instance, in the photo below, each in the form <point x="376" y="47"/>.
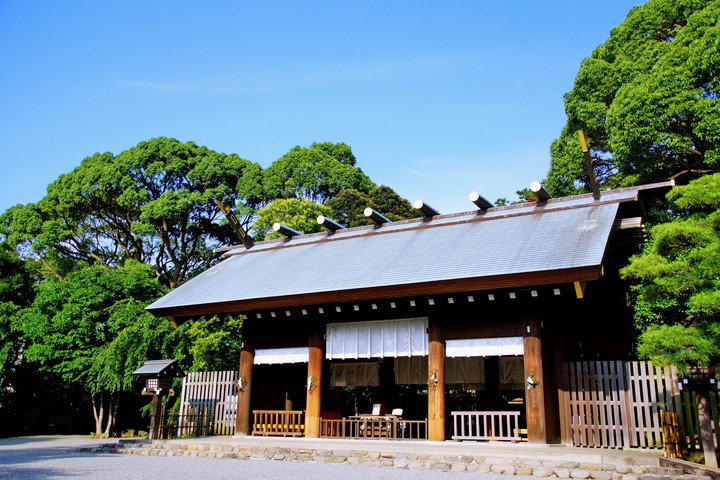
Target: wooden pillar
<point x="243" y="421"/>
<point x="535" y="395"/>
<point x="706" y="433"/>
<point x="436" y="384"/>
<point x="155" y="423"/>
<point x="314" y="385"/>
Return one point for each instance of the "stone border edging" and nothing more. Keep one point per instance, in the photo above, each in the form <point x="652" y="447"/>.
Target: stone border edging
<point x="690" y="468"/>
<point x="451" y="463"/>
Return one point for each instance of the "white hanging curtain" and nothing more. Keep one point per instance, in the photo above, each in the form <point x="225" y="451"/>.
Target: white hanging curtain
<point x="484" y="347"/>
<point x="272" y="356"/>
<point x="355" y="374"/>
<point x="387" y="338"/>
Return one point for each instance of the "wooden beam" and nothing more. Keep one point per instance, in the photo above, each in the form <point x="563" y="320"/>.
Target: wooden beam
<point x="580" y="288"/>
<point x="314" y="384"/>
<point x="535" y="395"/>
<point x="482" y="330"/>
<point x="436" y="384"/>
<point x="243" y="421"/>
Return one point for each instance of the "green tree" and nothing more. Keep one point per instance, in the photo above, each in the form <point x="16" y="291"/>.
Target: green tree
<point x="91" y="328"/>
<point x="648" y="99"/>
<point x="16" y="292"/>
<point x="153" y="203"/>
<point x="677" y="280"/>
<point x="348" y="206"/>
<point x="214" y="343"/>
<point x="296" y="213"/>
<point x="316" y="173"/>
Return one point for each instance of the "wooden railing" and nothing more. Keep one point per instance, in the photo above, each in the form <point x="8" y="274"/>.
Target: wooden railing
<point x="287" y="423"/>
<point x="374" y="428"/>
<point x="486" y="426"/>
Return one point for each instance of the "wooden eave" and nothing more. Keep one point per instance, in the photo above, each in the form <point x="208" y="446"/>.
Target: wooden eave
<point x="578" y="274"/>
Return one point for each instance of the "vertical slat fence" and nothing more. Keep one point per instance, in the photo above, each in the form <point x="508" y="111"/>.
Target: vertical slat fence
<point x="613" y="404"/>
<point x="216" y="392"/>
<point x="595" y="404"/>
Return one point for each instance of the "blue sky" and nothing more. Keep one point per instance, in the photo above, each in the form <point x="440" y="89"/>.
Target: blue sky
<point x="436" y="99"/>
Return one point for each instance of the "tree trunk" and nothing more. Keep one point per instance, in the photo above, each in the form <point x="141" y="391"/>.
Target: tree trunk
<point x="114" y="400"/>
<point x="98" y="402"/>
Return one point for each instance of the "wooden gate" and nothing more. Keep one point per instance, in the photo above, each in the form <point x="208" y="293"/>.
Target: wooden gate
<point x="616" y="404"/>
<point x="216" y="392"/>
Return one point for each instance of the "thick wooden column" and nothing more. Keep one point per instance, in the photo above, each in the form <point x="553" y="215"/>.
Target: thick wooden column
<point x="243" y="422"/>
<point x="436" y="384"/>
<point x="312" y="412"/>
<point x="535" y="395"/>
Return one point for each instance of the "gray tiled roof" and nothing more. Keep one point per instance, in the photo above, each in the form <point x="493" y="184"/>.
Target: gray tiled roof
<point x="563" y="234"/>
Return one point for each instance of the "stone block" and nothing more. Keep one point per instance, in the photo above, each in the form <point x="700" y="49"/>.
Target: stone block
<point x="562" y="472"/>
<point x="542" y="472"/>
<point x="524" y="470"/>
<point x="503" y="469"/>
<point x="579" y="474"/>
<point x="601" y="475"/>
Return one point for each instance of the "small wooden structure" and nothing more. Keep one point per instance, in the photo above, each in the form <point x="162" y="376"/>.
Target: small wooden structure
<point x="490" y="301"/>
<point x="158" y="375"/>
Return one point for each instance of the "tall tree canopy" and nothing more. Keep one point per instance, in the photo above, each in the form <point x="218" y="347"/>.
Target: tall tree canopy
<point x="648" y="99"/>
<point x="296" y="213"/>
<point x="316" y="173"/>
<point x="677" y="280"/>
<point x="348" y="206"/>
<point x="152" y="203"/>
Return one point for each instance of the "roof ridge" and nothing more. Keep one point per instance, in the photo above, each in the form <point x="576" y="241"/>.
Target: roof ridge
<point x="436" y="221"/>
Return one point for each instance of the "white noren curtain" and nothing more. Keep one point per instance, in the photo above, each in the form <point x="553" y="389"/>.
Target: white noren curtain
<point x="387" y="338"/>
<point x="272" y="356"/>
<point x="484" y="347"/>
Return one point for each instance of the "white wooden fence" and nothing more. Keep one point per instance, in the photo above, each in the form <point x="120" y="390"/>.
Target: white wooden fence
<point x="486" y="426"/>
<point x="216" y="392"/>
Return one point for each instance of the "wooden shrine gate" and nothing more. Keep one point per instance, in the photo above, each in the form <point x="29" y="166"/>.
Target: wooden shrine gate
<point x="212" y="392"/>
<point x="615" y="404"/>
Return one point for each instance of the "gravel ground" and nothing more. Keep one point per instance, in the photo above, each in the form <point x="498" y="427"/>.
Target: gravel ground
<point x="53" y="458"/>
